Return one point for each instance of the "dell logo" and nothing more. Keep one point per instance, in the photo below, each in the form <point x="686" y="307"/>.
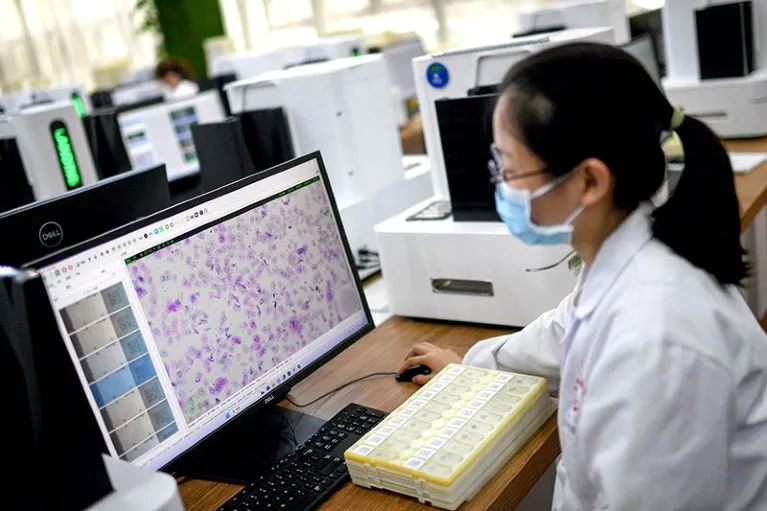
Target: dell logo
<point x="51" y="234"/>
<point x="269" y="399"/>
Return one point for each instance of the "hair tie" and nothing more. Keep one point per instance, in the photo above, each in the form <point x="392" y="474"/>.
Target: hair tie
<point x="677" y="118"/>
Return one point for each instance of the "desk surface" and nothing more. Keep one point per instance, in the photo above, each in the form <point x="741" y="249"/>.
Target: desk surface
<point x="751" y="187"/>
<point x="383" y="350"/>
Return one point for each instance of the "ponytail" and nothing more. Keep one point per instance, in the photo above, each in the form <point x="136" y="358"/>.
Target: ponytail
<point x="701" y="220"/>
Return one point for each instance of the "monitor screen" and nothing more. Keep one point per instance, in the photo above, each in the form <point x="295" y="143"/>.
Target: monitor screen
<point x="161" y="133"/>
<point x="466" y="130"/>
<point x="181" y="322"/>
<point x="183" y="119"/>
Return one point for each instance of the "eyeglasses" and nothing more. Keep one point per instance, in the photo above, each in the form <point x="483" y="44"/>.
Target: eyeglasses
<point x="499" y="175"/>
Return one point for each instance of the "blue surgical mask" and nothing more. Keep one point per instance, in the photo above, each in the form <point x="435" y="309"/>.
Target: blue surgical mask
<point x="514" y="208"/>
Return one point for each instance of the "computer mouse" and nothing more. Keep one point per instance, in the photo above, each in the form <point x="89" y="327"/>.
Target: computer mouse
<point x="412" y="371"/>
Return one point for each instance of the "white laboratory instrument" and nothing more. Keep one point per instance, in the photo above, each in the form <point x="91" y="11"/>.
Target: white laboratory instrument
<point x="162" y="133"/>
<point x="470" y="271"/>
<point x="399" y="57"/>
<point x="343" y="108"/>
<point x="77" y="94"/>
<point x="53" y="147"/>
<point x="138" y="489"/>
<point x="253" y="63"/>
<point x="136" y="92"/>
<point x="579" y="14"/>
<point x="734" y="106"/>
<point x="248" y="63"/>
<point x="452" y="74"/>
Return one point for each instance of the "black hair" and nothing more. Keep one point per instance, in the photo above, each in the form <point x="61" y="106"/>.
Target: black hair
<point x="588" y="100"/>
<point x="173" y="65"/>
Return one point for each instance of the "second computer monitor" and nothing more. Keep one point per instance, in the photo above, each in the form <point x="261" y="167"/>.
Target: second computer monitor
<point x="44" y="227"/>
<point x="162" y="133"/>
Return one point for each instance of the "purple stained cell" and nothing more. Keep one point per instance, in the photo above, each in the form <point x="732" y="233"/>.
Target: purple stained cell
<point x="174" y="306"/>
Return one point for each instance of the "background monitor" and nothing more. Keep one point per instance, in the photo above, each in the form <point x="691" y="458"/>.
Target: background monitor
<point x="15" y="190"/>
<point x="162" y="133"/>
<point x="105" y="140"/>
<point x="223" y="153"/>
<point x="182" y="322"/>
<point x="465" y="127"/>
<point x="46" y="226"/>
<point x="651" y="23"/>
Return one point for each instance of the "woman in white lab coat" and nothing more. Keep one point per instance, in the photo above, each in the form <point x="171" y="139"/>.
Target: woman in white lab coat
<point x="661" y="367"/>
<point x="175" y="79"/>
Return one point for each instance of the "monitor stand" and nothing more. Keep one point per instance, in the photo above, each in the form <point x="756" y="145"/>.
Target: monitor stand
<point x="247" y="448"/>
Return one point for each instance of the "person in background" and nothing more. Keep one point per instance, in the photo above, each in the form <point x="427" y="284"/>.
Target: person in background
<point x="660" y="364"/>
<point x="175" y="79"/>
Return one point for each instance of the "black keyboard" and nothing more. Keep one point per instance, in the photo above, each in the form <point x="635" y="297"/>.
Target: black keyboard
<point x="312" y="471"/>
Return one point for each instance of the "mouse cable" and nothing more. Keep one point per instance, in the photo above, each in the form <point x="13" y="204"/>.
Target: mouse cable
<point x="326" y="394"/>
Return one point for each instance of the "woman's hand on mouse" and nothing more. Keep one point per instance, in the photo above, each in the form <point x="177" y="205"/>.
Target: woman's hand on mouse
<point x="429" y="355"/>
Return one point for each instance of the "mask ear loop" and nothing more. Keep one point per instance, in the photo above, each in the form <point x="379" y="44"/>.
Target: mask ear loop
<point x="551" y="266"/>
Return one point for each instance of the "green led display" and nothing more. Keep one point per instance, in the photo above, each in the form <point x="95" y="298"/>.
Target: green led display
<point x="79" y="105"/>
<point x="66" y="155"/>
<point x="356" y="52"/>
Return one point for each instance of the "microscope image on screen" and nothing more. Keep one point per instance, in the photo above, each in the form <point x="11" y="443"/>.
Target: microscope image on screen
<point x="228" y="302"/>
<point x="183" y="120"/>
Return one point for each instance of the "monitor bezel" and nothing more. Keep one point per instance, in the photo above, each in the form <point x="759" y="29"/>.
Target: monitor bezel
<point x="273" y="397"/>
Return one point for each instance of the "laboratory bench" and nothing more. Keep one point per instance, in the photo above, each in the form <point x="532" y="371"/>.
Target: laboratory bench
<point x="382" y="351"/>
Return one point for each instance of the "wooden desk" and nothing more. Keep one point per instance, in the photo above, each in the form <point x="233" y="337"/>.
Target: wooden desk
<point x="752" y="187"/>
<point x="411" y="136"/>
<point x="383" y="350"/>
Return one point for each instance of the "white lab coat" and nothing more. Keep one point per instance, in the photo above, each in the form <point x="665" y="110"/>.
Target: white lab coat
<point x="184" y="89"/>
<point x="663" y="400"/>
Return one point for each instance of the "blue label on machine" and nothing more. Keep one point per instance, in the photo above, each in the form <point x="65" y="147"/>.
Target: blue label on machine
<point x="437" y="75"/>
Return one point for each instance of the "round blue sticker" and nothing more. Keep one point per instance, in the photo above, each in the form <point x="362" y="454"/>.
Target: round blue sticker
<point x="437" y="75"/>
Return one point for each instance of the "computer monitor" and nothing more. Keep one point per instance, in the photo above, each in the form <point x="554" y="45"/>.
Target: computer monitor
<point x="106" y="142"/>
<point x="15" y="190"/>
<point x="182" y="323"/>
<point x="651" y="23"/>
<point x="162" y="134"/>
<point x="41" y="228"/>
<point x="465" y="128"/>
<point x="643" y="49"/>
